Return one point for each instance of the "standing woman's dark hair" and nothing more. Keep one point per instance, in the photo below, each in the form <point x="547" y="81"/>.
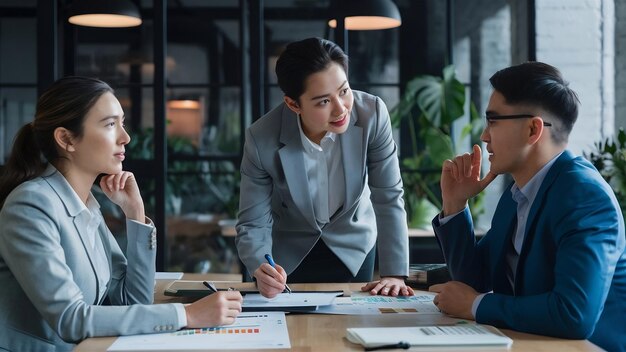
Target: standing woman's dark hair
<point x="64" y="104"/>
<point x="303" y="58"/>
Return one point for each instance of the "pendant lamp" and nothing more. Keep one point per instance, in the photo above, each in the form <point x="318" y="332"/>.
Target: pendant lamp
<point x="365" y="14"/>
<point x="104" y="13"/>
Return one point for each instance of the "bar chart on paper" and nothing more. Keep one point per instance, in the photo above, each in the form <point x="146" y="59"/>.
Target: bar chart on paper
<point x="250" y="331"/>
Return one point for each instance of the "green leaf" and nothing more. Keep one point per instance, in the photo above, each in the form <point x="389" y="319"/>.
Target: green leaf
<point x="621" y="137"/>
<point x="439" y="145"/>
<point x="454" y="96"/>
<point x="422" y="214"/>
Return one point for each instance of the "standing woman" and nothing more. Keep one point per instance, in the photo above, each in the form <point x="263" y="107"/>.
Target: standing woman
<point x="63" y="277"/>
<point x="320" y="181"/>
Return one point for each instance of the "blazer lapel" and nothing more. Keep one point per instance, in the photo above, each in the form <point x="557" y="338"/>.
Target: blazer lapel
<point x="79" y="223"/>
<point x="534" y="209"/>
<point x="103" y="234"/>
<point x="73" y="208"/>
<point x="352" y="158"/>
<point x="292" y="162"/>
<point x="506" y="221"/>
<point x="547" y="181"/>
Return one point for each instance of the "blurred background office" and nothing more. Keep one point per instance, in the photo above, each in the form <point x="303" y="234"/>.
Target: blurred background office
<point x="192" y="75"/>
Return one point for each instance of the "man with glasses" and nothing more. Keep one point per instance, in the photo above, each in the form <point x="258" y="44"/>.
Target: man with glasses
<point x="553" y="262"/>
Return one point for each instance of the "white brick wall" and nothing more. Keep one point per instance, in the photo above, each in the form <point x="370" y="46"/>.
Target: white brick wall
<point x="620" y="64"/>
<point x="576" y="36"/>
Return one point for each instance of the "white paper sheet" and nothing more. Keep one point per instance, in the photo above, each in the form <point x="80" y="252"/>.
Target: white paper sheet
<point x="168" y="275"/>
<point x="362" y="303"/>
<point x="261" y="330"/>
<point x="311" y="300"/>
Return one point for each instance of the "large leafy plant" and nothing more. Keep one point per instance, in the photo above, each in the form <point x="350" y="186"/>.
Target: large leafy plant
<point x="431" y="105"/>
<point x="609" y="157"/>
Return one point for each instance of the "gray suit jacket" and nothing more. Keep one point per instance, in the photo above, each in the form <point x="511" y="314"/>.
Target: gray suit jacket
<point x="48" y="285"/>
<point x="276" y="213"/>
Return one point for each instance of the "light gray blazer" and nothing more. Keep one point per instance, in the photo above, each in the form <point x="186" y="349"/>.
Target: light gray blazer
<point x="276" y="213"/>
<point x="48" y="285"/>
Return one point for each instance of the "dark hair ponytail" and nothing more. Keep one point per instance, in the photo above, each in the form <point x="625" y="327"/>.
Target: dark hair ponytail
<point x="65" y="104"/>
<point x="24" y="162"/>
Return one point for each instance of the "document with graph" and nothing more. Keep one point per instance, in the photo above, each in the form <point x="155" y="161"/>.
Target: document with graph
<point x="262" y="330"/>
<point x="362" y="303"/>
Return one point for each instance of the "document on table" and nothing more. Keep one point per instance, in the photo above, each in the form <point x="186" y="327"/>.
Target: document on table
<point x="430" y="336"/>
<point x="295" y="301"/>
<point x="262" y="330"/>
<point x="161" y="275"/>
<point x="168" y="275"/>
<point x="362" y="303"/>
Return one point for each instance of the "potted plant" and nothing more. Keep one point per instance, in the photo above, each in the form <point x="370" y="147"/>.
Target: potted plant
<point x="609" y="157"/>
<point x="431" y="104"/>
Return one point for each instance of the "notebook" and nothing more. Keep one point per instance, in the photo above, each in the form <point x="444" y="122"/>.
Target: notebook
<point x="430" y="336"/>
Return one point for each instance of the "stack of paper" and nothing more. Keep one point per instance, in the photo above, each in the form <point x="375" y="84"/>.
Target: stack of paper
<point x="431" y="336"/>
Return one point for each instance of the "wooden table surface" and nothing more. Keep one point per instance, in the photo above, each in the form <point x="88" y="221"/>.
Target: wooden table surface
<point x="317" y="332"/>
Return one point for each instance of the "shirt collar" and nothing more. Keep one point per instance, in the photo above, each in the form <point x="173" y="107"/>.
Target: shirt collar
<point x="532" y="187"/>
<point x="308" y="145"/>
<point x="73" y="204"/>
<point x="92" y="207"/>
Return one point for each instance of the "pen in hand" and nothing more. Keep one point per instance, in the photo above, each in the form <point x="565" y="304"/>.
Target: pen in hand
<point x="210" y="286"/>
<point x="271" y="262"/>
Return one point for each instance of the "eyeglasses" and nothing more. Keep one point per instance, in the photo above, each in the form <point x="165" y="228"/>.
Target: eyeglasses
<point x="511" y="117"/>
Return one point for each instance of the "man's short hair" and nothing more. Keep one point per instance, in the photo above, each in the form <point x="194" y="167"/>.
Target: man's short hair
<point x="539" y="84"/>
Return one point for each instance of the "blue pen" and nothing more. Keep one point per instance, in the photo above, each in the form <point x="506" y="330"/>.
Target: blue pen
<point x="271" y="262"/>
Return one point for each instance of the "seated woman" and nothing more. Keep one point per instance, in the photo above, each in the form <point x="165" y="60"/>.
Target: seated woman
<point x="63" y="277"/>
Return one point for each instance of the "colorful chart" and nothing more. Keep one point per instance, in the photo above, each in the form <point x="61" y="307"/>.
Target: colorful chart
<point x="252" y="329"/>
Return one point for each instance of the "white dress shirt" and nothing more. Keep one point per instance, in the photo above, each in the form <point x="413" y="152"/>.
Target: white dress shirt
<point x="92" y="217"/>
<point x="324" y="170"/>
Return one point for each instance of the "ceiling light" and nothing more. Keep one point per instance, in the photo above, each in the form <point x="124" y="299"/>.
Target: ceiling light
<point x="365" y="14"/>
<point x="104" y="13"/>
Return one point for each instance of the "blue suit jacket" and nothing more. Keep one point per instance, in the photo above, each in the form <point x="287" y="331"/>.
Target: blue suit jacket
<point x="571" y="276"/>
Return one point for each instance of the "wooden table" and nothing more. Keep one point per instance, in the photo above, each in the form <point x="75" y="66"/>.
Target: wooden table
<point x="316" y="332"/>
